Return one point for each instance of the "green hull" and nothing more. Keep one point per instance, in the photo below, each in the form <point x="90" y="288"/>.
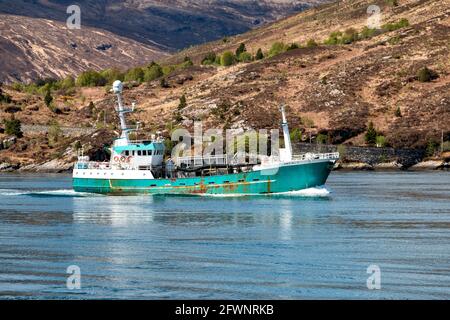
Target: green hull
<point x="287" y="178"/>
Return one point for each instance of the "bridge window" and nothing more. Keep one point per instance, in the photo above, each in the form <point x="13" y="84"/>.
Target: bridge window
<point x="139" y="153"/>
<point x="144" y="152"/>
<point x="127" y="153"/>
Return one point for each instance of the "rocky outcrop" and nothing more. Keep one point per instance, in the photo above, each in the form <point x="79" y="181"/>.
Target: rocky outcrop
<point x="376" y="158"/>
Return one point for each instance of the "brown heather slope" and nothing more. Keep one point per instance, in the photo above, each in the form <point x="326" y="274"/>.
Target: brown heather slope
<point x="31" y="48"/>
<point x="341" y="88"/>
<point x="34" y="40"/>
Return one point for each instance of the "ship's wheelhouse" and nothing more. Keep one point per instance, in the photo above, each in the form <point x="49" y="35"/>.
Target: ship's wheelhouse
<point x="145" y="154"/>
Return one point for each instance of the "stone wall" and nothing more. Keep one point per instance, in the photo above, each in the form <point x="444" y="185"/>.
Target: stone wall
<point x="369" y="155"/>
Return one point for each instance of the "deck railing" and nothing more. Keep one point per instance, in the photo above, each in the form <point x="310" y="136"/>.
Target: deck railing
<point x="202" y="161"/>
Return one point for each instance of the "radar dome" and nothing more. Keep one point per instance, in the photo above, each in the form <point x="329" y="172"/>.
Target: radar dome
<point x="117" y="86"/>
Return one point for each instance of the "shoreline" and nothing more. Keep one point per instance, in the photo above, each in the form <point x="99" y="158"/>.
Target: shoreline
<point x="429" y="165"/>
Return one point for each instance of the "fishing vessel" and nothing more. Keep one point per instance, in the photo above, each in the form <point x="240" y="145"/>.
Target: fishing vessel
<point x="139" y="167"/>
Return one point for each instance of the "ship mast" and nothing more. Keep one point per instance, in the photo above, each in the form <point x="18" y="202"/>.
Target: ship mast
<point x="122" y="110"/>
<point x="286" y="135"/>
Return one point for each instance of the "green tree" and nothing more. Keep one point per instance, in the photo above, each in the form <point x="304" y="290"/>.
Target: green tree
<point x="371" y="134"/>
<point x="90" y="79"/>
<point x="398" y="112"/>
<point x="13" y="127"/>
<point x="135" y="74"/>
<point x="48" y="98"/>
<point x="241" y="49"/>
<point x="182" y="103"/>
<point x="259" y="54"/>
<point x="432" y="146"/>
<point x="210" y="58"/>
<point x="227" y="59"/>
<point x="153" y="72"/>
<point x="111" y="75"/>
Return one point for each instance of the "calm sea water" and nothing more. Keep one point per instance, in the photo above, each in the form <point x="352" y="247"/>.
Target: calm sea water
<point x="317" y="244"/>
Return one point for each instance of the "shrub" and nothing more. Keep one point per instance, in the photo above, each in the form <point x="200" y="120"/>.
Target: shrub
<point x="277" y="48"/>
<point x="259" y="54"/>
<point x="367" y="33"/>
<point x="4" y="97"/>
<point x="296" y="135"/>
<point x="311" y="43"/>
<point x="153" y="72"/>
<point x="398" y="112"/>
<point x="426" y="75"/>
<point x="292" y="46"/>
<point x="334" y="38"/>
<point x="227" y="59"/>
<point x="446" y="146"/>
<point x="245" y="57"/>
<point x="13" y="127"/>
<point x="90" y="79"/>
<point x="67" y="83"/>
<point x="371" y="134"/>
<point x="350" y="35"/>
<point x="342" y="152"/>
<point x="393" y="3"/>
<point x="187" y="62"/>
<point x="163" y="83"/>
<point x="54" y="133"/>
<point x="321" y="138"/>
<point x="380" y="141"/>
<point x="402" y="23"/>
<point x="135" y="74"/>
<point x="210" y="58"/>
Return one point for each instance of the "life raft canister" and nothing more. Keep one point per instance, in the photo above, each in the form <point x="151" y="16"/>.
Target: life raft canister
<point x="122" y="159"/>
<point x="129" y="159"/>
<point x="116" y="159"/>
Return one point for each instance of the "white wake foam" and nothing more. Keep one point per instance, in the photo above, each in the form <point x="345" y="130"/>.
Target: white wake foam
<point x="310" y="192"/>
<point x="56" y="193"/>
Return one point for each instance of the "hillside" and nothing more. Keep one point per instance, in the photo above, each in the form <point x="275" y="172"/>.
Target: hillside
<point x="331" y="90"/>
<point x="35" y="42"/>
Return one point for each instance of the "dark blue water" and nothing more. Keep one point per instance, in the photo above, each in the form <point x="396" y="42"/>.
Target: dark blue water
<point x="313" y="245"/>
